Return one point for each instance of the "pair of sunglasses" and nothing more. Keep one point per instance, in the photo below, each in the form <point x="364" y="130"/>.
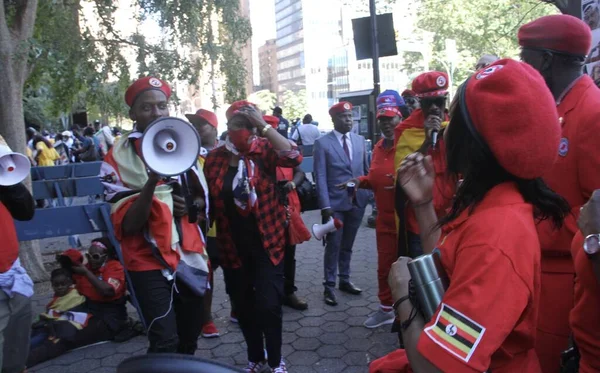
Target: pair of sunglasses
<point x="97" y="256"/>
<point x="438" y="101"/>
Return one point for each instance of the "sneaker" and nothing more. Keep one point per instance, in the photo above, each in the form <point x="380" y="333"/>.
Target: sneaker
<point x="380" y="318"/>
<point x="209" y="330"/>
<point x="280" y="369"/>
<point x="257" y="367"/>
<point x="233" y="317"/>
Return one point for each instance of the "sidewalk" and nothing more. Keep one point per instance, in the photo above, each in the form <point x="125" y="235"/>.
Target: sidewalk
<point x="321" y="339"/>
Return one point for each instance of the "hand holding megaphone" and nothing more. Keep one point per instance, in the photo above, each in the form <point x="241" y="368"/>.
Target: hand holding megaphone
<point x="321" y="230"/>
<point x="14" y="167"/>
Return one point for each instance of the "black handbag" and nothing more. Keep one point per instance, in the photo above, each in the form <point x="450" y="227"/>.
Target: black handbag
<point x="307" y="193"/>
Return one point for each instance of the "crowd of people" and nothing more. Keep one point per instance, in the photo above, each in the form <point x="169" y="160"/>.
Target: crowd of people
<point x="500" y="183"/>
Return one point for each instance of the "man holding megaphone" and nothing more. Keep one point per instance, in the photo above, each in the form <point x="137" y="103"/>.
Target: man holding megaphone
<point x="161" y="241"/>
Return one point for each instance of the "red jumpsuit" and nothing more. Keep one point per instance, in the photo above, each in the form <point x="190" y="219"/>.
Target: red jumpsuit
<point x="381" y="180"/>
<point x="574" y="176"/>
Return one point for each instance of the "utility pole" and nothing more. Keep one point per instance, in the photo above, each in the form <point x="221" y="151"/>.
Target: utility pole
<point x="375" y="47"/>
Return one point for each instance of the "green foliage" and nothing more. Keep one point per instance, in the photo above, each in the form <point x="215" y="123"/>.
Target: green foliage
<point x="478" y="26"/>
<point x="265" y="100"/>
<point x="294" y="104"/>
<point x="82" y="64"/>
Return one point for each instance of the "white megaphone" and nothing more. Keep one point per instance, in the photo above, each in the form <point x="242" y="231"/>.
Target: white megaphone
<point x="14" y="167"/>
<point x="320" y="230"/>
<point x="170" y="146"/>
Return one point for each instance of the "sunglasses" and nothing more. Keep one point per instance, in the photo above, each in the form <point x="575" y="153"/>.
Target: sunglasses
<point x="438" y="101"/>
<point x="97" y="256"/>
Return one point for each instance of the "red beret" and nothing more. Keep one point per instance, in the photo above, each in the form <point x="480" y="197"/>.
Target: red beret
<point x="233" y="109"/>
<point x="74" y="255"/>
<point x="340" y="107"/>
<point x="408" y="92"/>
<point x="143" y="85"/>
<point x="205" y="115"/>
<point x="272" y="120"/>
<point x="513" y="110"/>
<point x="430" y="84"/>
<point x="559" y="33"/>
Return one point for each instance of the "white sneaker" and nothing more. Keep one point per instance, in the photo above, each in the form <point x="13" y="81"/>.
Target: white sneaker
<point x="281" y="368"/>
<point x="256" y="367"/>
<point x="380" y="318"/>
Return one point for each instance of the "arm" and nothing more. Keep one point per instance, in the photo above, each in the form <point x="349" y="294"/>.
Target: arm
<point x="298" y="175"/>
<point x="18" y="200"/>
<point x="103" y="288"/>
<point x="320" y="170"/>
<point x="427" y="220"/>
<point x="137" y="216"/>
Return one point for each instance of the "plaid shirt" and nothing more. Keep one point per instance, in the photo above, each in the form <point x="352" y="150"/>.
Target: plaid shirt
<point x="270" y="215"/>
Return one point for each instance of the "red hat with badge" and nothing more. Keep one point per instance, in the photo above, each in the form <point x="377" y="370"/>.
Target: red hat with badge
<point x="145" y="84"/>
<point x="340" y="107"/>
<point x="559" y="33"/>
<point x="235" y="107"/>
<point x="430" y="84"/>
<point x="271" y="119"/>
<point x="73" y="255"/>
<point x="408" y="92"/>
<point x="389" y="111"/>
<point x="509" y="108"/>
<point x="203" y="115"/>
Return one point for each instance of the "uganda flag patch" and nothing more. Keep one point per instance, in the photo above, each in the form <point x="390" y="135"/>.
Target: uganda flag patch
<point x="455" y="332"/>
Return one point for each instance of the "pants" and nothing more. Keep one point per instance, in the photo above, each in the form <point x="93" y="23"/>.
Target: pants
<point x="174" y="324"/>
<point x="15" y="324"/>
<point x="289" y="270"/>
<point x="256" y="289"/>
<point x="387" y="253"/>
<point x="556" y="301"/>
<point x="338" y="251"/>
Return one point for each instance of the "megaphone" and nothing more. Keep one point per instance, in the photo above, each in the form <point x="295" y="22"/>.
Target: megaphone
<point x="320" y="230"/>
<point x="14" y="167"/>
<point x="170" y="146"/>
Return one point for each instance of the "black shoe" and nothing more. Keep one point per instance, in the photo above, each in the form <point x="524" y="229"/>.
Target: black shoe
<point x="348" y="287"/>
<point x="330" y="298"/>
<point x="294" y="302"/>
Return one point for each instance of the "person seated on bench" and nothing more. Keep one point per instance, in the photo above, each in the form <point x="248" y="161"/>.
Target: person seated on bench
<point x="102" y="282"/>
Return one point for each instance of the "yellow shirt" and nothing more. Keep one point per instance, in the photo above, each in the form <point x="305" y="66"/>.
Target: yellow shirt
<point x="45" y="156"/>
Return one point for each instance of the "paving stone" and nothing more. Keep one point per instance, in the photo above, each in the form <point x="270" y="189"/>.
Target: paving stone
<point x="291" y="315"/>
<point x="286" y="350"/>
<point x="355" y="320"/>
<point x="230" y="338"/>
<point x="288" y="337"/>
<point x="104" y="370"/>
<point x="332" y="351"/>
<point x="113" y="360"/>
<point x="333" y="338"/>
<point x="303" y="358"/>
<point x="308" y="344"/>
<point x="228" y="349"/>
<point x="335" y="316"/>
<point x="132" y="345"/>
<point x="70" y="358"/>
<point x="380" y="349"/>
<point x="334" y="326"/>
<point x="291" y="326"/>
<point x="312" y="321"/>
<point x="315" y="310"/>
<point x="330" y="365"/>
<point x="100" y="351"/>
<point x="83" y="366"/>
<point x="358" y="303"/>
<point x="358" y="332"/>
<point x="358" y="344"/>
<point x="358" y="311"/>
<point x="309" y="331"/>
<point x="358" y="358"/>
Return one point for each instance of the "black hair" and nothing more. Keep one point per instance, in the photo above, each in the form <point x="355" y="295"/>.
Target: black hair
<point x="88" y="131"/>
<point x="110" y="249"/>
<point x="60" y="272"/>
<point x="307" y="119"/>
<point x="404" y="111"/>
<point x="475" y="163"/>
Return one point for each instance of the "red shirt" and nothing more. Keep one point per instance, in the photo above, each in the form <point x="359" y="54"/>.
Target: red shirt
<point x="381" y="180"/>
<point x="574" y="174"/>
<point x="9" y="250"/>
<point x="112" y="273"/>
<point x="585" y="315"/>
<point x="270" y="215"/>
<point x="487" y="319"/>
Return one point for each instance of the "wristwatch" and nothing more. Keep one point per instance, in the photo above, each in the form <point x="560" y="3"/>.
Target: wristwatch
<point x="293" y="184"/>
<point x="264" y="130"/>
<point x="591" y="245"/>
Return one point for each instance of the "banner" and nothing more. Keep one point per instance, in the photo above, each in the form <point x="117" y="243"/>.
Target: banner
<point x="590" y="13"/>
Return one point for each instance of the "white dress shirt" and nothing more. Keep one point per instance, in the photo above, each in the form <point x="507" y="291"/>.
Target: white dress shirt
<point x="308" y="133"/>
<point x="339" y="136"/>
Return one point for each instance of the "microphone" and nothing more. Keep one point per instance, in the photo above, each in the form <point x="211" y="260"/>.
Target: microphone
<point x="434" y="138"/>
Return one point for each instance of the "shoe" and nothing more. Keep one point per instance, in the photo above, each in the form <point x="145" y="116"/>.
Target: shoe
<point x="209" y="330"/>
<point x="294" y="302"/>
<point x="380" y="318"/>
<point x="348" y="287"/>
<point x="280" y="369"/>
<point x="259" y="367"/>
<point x="233" y="317"/>
<point x="330" y="298"/>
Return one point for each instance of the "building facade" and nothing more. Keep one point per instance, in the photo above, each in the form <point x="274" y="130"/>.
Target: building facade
<point x="267" y="60"/>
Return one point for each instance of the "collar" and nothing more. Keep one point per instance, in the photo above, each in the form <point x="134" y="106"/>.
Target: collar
<point x="339" y="135"/>
<point x="575" y="94"/>
<point x="504" y="194"/>
<point x="568" y="89"/>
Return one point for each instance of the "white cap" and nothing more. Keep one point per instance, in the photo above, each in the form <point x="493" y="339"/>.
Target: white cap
<point x="67" y="133"/>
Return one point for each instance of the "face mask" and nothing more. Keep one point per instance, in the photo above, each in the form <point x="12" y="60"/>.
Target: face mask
<point x="239" y="139"/>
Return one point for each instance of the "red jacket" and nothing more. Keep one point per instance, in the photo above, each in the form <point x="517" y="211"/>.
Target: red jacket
<point x="271" y="214"/>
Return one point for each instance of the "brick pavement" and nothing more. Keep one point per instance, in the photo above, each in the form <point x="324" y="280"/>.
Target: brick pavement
<point x="321" y="339"/>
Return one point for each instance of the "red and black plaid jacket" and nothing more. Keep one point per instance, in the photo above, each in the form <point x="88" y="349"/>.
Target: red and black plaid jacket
<point x="270" y="216"/>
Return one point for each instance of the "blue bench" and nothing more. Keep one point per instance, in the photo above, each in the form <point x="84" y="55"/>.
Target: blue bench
<point x="68" y="181"/>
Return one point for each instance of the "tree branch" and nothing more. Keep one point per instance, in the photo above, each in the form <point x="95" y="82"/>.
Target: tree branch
<point x="4" y="32"/>
<point x="22" y="28"/>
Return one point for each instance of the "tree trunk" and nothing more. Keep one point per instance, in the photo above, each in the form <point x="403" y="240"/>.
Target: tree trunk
<point x="14" y="70"/>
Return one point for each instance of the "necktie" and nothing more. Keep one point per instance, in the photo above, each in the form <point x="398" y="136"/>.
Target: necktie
<point x="346" y="150"/>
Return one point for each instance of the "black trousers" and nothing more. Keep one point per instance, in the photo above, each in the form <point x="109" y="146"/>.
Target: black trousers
<point x="289" y="270"/>
<point x="174" y="325"/>
<point x="256" y="289"/>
